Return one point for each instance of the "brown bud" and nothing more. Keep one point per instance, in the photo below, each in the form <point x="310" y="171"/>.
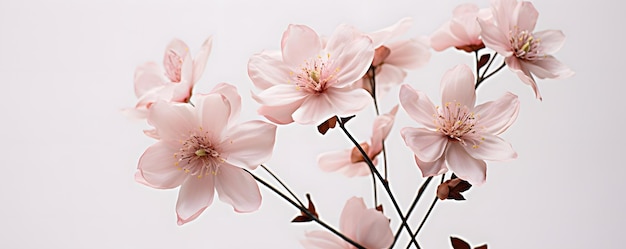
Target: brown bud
<point x="452" y="189"/>
<point x="380" y="55"/>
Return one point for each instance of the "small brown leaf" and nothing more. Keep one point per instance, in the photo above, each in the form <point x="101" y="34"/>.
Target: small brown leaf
<point x="452" y="189"/>
<point x="327" y="125"/>
<point x="482" y="247"/>
<point x="483" y="60"/>
<point x="459" y="243"/>
<point x="303" y="217"/>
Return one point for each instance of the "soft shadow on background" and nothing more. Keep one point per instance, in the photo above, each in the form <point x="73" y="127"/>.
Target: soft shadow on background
<point x="69" y="154"/>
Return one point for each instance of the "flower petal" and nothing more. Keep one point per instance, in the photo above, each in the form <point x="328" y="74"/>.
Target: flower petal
<point x="492" y="148"/>
<point x="435" y="168"/>
<point x="237" y="188"/>
<point x="457" y="85"/>
<point x="230" y="93"/>
<point x="494" y="38"/>
<point x="522" y="73"/>
<point x="323" y="240"/>
<point x="464" y="166"/>
<point x="408" y="54"/>
<point x="299" y="43"/>
<point x="280" y="95"/>
<point x="495" y="117"/>
<point x="353" y="60"/>
<point x="147" y="77"/>
<point x="426" y="144"/>
<point x="279" y="114"/>
<point x="172" y="120"/>
<point x="380" y="131"/>
<point x="199" y="62"/>
<point x="215" y="113"/>
<point x="194" y="196"/>
<point x="381" y="36"/>
<point x="334" y="160"/>
<point x="157" y="167"/>
<point x="346" y="101"/>
<point x="551" y="40"/>
<point x="374" y="230"/>
<point x="418" y="106"/>
<point x="314" y="110"/>
<point x="388" y="77"/>
<point x="526" y="15"/>
<point x="267" y="69"/>
<point x="249" y="144"/>
<point x="351" y="215"/>
<point x="548" y="67"/>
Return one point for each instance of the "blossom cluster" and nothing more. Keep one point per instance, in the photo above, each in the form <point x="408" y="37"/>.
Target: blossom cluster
<point x="201" y="147"/>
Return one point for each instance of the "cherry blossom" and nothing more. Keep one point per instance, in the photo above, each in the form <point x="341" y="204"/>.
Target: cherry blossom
<point x="526" y="53"/>
<point x="172" y="82"/>
<point x="458" y="133"/>
<point x="462" y="31"/>
<point x="202" y="151"/>
<point x="308" y="80"/>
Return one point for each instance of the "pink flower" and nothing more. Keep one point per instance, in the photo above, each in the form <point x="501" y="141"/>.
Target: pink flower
<point x="350" y="161"/>
<point x="526" y="53"/>
<point x="308" y="81"/>
<point x="393" y="58"/>
<point x="368" y="227"/>
<point x="463" y="31"/>
<point x="458" y="133"/>
<point x="202" y="151"/>
<point x="173" y="82"/>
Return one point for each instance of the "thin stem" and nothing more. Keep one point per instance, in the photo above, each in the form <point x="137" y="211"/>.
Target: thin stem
<point x="430" y="209"/>
<point x="493" y="58"/>
<point x="373" y="86"/>
<point x="306" y="211"/>
<point x="385" y="184"/>
<point x="477" y="61"/>
<point x="282" y="184"/>
<point x="375" y="189"/>
<point x="490" y="74"/>
<point x="420" y="192"/>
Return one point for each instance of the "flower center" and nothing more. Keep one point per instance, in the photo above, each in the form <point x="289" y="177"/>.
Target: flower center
<point x="316" y="75"/>
<point x="456" y="122"/>
<point x="525" y="45"/>
<point x="197" y="156"/>
<point x="173" y="63"/>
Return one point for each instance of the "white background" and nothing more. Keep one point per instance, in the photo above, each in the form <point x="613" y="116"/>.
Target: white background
<point x="69" y="155"/>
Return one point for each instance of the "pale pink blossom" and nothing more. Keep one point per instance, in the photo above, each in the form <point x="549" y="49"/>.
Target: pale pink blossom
<point x="394" y="57"/>
<point x="202" y="151"/>
<point x="526" y="53"/>
<point x="462" y="31"/>
<point x="367" y="227"/>
<point x="457" y="133"/>
<point x="350" y="161"/>
<point x="172" y="82"/>
<point x="308" y="81"/>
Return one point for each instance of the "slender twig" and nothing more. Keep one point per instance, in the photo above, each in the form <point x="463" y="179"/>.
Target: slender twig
<point x="306" y="211"/>
<point x="282" y="184"/>
<point x="493" y="58"/>
<point x="420" y="192"/>
<point x="477" y="68"/>
<point x="384" y="183"/>
<point x="430" y="209"/>
<point x="490" y="74"/>
<point x="373" y="86"/>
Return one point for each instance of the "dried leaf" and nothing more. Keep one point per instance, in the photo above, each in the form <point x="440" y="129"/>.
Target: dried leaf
<point x="327" y="125"/>
<point x="483" y="60"/>
<point x="345" y="120"/>
<point x="303" y="217"/>
<point x="482" y="247"/>
<point x="459" y="243"/>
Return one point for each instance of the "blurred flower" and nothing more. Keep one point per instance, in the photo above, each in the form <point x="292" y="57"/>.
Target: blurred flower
<point x="526" y="53"/>
<point x="173" y="82"/>
<point x="463" y="31"/>
<point x="393" y="58"/>
<point x="350" y="161"/>
<point x="457" y="132"/>
<point x="368" y="227"/>
<point x="201" y="151"/>
<point x="308" y="81"/>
